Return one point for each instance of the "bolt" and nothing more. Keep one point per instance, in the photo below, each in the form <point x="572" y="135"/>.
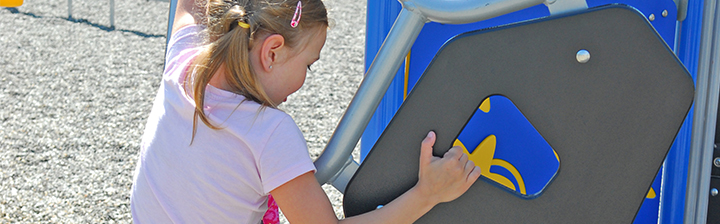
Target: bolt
<point x="664" y="13"/>
<point x="582" y="56"/>
<point x="651" y="17"/>
<point x="716" y="161"/>
<point x="714" y="192"/>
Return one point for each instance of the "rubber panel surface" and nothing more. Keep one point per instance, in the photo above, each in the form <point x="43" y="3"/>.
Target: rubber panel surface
<point x="610" y="120"/>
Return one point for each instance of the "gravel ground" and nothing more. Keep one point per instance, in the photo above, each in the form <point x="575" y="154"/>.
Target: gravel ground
<point x="75" y="96"/>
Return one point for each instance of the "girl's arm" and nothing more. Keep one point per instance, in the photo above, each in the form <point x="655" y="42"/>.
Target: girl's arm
<point x="187" y="12"/>
<point x="302" y="200"/>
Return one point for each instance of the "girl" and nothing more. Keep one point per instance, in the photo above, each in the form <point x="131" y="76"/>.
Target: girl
<point x="222" y="169"/>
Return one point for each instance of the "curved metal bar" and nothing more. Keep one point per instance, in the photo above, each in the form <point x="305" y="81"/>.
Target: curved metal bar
<point x="460" y="12"/>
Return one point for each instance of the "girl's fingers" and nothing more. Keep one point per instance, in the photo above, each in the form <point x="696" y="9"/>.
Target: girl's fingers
<point x="463" y="158"/>
<point x="474" y="175"/>
<point x="469" y="166"/>
<point x="454" y="153"/>
<point x="426" y="149"/>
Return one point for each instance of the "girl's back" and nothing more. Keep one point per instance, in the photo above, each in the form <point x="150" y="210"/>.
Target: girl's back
<point x="226" y="172"/>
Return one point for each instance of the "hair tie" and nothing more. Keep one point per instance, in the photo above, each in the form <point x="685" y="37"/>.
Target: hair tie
<point x="298" y="13"/>
<point x="243" y="25"/>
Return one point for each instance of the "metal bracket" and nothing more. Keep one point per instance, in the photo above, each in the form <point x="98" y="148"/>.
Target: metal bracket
<point x="682" y="8"/>
<point x="563" y="6"/>
<point x="343" y="177"/>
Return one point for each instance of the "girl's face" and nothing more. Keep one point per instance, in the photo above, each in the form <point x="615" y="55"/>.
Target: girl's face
<point x="288" y="74"/>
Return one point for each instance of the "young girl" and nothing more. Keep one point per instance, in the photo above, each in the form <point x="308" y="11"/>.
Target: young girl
<point x="229" y="64"/>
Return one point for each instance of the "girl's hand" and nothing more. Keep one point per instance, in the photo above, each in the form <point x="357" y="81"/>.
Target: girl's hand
<point x="444" y="179"/>
<point x="440" y="180"/>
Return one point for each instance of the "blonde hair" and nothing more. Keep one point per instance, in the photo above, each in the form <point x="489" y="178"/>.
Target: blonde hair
<point x="228" y="44"/>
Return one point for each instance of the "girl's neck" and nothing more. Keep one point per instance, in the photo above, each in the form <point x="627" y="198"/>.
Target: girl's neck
<point x="218" y="79"/>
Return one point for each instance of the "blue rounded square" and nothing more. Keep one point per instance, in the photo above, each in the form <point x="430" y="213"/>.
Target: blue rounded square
<point x="509" y="150"/>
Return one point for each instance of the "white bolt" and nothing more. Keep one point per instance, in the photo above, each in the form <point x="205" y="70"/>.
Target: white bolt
<point x="582" y="56"/>
<point x="651" y="17"/>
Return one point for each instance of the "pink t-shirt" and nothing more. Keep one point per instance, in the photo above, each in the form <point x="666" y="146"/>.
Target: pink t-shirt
<point x="225" y="176"/>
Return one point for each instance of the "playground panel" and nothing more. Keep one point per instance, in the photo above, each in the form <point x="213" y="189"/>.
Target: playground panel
<point x="661" y="14"/>
<point x="626" y="45"/>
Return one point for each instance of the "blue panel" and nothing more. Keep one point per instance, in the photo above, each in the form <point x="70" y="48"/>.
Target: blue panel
<point x="516" y="147"/>
<point x="380" y="18"/>
<point x="649" y="210"/>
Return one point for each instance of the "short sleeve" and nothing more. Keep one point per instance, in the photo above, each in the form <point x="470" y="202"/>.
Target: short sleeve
<point x="284" y="157"/>
<point x="185" y="38"/>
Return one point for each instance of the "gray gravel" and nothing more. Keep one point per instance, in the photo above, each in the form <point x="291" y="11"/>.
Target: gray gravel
<point x="75" y="96"/>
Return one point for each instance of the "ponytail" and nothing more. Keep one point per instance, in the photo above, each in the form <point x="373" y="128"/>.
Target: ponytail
<point x="232" y="26"/>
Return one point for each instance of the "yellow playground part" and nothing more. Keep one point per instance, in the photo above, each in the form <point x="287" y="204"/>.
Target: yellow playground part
<point x="10" y="3"/>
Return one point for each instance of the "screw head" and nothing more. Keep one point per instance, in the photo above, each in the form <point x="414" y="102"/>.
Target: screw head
<point x="716" y="162"/>
<point x="651" y="17"/>
<point x="582" y="56"/>
<point x="664" y="13"/>
<point x="714" y="192"/>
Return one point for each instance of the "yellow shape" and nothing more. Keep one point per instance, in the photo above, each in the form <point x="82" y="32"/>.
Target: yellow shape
<point x="514" y="171"/>
<point x="500" y="179"/>
<point x="651" y="194"/>
<point x="483" y="155"/>
<point x="407" y="75"/>
<point x="485" y="105"/>
<point x="10" y="3"/>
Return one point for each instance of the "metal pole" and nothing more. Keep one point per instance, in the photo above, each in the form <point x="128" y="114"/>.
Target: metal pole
<point x="171" y="19"/>
<point x="70" y="9"/>
<point x="401" y="37"/>
<point x="708" y="85"/>
<point x="112" y="14"/>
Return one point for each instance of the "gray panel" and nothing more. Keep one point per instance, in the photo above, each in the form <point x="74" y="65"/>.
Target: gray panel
<point x="611" y="120"/>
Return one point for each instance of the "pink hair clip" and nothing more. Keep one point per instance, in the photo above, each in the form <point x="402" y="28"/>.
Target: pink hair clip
<point x="298" y="13"/>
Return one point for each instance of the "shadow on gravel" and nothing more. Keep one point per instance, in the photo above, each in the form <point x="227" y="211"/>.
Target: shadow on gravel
<point x="84" y="21"/>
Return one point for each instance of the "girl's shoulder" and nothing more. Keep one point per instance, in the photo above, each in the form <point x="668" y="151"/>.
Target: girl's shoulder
<point x="187" y="37"/>
<point x="231" y="109"/>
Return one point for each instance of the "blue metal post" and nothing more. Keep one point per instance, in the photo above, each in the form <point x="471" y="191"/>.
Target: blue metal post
<point x="672" y="198"/>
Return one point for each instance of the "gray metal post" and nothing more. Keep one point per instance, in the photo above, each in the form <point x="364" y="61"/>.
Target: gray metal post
<point x="402" y="35"/>
<point x="112" y="14"/>
<point x="706" y="103"/>
<point x="376" y="82"/>
<point x="171" y="19"/>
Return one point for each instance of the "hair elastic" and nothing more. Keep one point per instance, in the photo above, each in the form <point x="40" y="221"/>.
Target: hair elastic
<point x="298" y="13"/>
<point x="243" y="24"/>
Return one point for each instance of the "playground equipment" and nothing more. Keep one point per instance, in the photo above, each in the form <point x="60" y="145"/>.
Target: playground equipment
<point x="10" y="3"/>
<point x="606" y="164"/>
<point x="112" y="12"/>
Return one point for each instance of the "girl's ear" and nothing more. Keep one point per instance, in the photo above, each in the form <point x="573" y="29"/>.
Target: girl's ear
<point x="271" y="51"/>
